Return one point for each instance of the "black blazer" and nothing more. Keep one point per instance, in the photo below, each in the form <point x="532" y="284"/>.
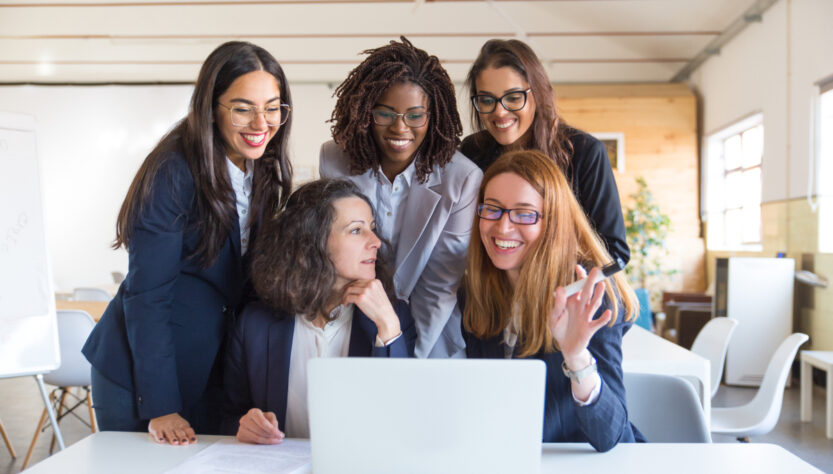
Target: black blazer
<point x="590" y="176"/>
<point x="159" y="337"/>
<point x="258" y="354"/>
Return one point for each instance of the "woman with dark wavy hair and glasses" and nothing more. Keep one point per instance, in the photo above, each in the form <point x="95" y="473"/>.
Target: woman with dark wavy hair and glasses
<point x="187" y="222"/>
<point x="513" y="108"/>
<point x="395" y="133"/>
<point x="324" y="292"/>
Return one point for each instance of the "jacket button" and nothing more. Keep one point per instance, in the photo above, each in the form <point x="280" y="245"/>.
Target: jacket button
<point x="225" y="309"/>
<point x="139" y="399"/>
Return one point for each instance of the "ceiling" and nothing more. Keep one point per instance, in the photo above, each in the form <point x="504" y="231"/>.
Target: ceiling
<point x="142" y="41"/>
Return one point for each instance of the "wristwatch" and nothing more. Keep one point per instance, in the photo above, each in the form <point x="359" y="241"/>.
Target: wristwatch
<point x="580" y="374"/>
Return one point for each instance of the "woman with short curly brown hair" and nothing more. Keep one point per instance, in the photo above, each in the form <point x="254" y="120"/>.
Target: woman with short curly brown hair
<point x="395" y="134"/>
<point x="322" y="289"/>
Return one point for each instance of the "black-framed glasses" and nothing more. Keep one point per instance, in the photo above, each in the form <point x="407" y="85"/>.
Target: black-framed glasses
<point x="388" y="117"/>
<point x="491" y="212"/>
<point x="242" y="114"/>
<point x="511" y="101"/>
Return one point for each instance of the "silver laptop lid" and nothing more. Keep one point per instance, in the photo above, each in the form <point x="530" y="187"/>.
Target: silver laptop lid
<point x="425" y="415"/>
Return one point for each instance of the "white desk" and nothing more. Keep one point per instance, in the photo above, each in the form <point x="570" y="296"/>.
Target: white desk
<point x="822" y="360"/>
<point x="128" y="453"/>
<point x="645" y="352"/>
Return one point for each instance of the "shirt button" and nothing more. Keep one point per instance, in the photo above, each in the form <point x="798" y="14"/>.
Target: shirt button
<point x="389" y="213"/>
<point x="396" y="188"/>
<point x="243" y="211"/>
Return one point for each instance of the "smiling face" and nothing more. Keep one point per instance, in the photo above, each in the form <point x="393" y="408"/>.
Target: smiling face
<point x="353" y="243"/>
<point x="254" y="89"/>
<point x="507" y="128"/>
<point x="398" y="142"/>
<point x="507" y="243"/>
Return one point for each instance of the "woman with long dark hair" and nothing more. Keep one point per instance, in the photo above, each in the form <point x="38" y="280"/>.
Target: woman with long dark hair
<point x="514" y="108"/>
<point x="395" y="133"/>
<point x="325" y="291"/>
<point x="187" y="221"/>
<point x="529" y="240"/>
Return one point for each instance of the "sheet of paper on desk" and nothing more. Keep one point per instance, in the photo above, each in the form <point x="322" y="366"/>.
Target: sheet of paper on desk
<point x="229" y="456"/>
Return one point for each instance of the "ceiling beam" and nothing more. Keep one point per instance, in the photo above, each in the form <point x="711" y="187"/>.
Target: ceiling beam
<point x="753" y="14"/>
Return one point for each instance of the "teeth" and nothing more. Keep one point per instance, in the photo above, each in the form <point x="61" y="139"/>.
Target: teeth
<point x="504" y="124"/>
<point x="254" y="138"/>
<point x="398" y="142"/>
<point x="507" y="244"/>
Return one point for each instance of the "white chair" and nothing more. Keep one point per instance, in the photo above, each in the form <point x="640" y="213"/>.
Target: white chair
<point x="73" y="329"/>
<point x="760" y="415"/>
<point x="665" y="408"/>
<point x="118" y="277"/>
<point x="7" y="440"/>
<point x="90" y="294"/>
<point x="711" y="343"/>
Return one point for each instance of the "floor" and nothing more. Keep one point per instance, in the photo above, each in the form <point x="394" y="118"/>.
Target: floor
<point x="21" y="408"/>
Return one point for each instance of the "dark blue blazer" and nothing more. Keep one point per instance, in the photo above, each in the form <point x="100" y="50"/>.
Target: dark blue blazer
<point x="603" y="423"/>
<point x="256" y="373"/>
<point x="161" y="334"/>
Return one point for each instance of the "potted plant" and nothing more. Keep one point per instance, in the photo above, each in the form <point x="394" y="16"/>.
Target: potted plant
<point x="646" y="228"/>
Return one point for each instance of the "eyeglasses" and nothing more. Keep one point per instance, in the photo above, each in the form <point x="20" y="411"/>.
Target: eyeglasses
<point x="243" y="115"/>
<point x="518" y="216"/>
<point x="511" y="101"/>
<point x="412" y="119"/>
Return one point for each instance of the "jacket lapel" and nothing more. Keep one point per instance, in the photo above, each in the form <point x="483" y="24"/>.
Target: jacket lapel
<point x="277" y="373"/>
<point x="422" y="200"/>
<point x="362" y="335"/>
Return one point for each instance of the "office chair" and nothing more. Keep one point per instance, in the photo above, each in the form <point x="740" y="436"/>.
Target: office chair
<point x="711" y="343"/>
<point x="90" y="294"/>
<point x="73" y="329"/>
<point x="7" y="440"/>
<point x="761" y="414"/>
<point x="665" y="409"/>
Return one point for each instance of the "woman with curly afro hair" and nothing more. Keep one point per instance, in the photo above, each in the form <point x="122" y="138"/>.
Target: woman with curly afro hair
<point x="395" y="134"/>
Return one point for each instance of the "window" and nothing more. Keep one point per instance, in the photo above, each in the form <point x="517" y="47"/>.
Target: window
<point x="734" y="186"/>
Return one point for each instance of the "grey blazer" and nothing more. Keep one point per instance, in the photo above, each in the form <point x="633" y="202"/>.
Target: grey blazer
<point x="431" y="252"/>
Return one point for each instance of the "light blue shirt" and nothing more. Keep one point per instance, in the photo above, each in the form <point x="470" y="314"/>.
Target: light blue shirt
<point x="389" y="203"/>
<point x="242" y="184"/>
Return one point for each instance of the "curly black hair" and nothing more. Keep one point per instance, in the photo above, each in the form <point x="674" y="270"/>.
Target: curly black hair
<point x="394" y="63"/>
<point x="291" y="268"/>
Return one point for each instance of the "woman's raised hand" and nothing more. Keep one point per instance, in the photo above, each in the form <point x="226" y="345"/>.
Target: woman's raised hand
<point x="370" y="297"/>
<point x="571" y="320"/>
<point x="257" y="427"/>
<point x="173" y="429"/>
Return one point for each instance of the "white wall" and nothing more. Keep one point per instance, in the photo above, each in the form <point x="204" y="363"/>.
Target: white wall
<point x="771" y="68"/>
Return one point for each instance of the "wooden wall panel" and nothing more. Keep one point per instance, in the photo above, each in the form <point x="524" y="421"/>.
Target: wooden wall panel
<point x="660" y="126"/>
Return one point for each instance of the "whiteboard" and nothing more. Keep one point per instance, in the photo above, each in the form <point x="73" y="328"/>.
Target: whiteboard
<point x="28" y="329"/>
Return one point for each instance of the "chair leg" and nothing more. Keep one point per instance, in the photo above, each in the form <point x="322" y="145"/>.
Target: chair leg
<point x="37" y="434"/>
<point x="7" y="440"/>
<point x="93" y="424"/>
<point x="64" y="393"/>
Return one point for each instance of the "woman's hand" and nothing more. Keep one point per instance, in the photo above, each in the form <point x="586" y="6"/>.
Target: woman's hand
<point x="257" y="427"/>
<point x="173" y="429"/>
<point x="571" y="320"/>
<point x="370" y="297"/>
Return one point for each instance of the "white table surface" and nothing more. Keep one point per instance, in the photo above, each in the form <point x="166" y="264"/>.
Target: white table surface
<point x="645" y="352"/>
<point x="128" y="453"/>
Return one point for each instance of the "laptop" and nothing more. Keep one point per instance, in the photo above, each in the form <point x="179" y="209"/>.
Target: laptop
<point x="425" y="415"/>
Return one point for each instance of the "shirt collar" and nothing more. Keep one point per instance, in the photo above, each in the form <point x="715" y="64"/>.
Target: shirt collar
<point x="339" y="316"/>
<point x="407" y="174"/>
<point x="236" y="174"/>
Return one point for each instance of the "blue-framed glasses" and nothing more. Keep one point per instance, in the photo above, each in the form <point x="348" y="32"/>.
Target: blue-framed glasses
<point x="518" y="216"/>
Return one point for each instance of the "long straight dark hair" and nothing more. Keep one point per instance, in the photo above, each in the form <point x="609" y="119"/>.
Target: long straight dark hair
<point x="549" y="132"/>
<point x="198" y="139"/>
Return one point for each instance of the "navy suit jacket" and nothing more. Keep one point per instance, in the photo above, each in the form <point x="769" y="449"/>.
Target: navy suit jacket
<point x="603" y="423"/>
<point x="256" y="373"/>
<point x="161" y="334"/>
